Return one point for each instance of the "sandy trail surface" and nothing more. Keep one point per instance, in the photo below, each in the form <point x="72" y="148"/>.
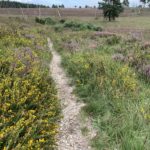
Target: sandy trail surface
<point x="70" y="137"/>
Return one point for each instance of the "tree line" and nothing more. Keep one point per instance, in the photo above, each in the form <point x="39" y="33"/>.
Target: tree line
<point x="13" y="4"/>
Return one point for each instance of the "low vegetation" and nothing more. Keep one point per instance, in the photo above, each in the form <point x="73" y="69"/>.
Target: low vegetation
<point x="64" y="24"/>
<point x="107" y="72"/>
<point x="111" y="73"/>
<point x="44" y="21"/>
<point x="29" y="108"/>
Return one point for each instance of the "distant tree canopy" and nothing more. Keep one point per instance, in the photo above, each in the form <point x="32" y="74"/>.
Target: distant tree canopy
<point x="126" y="3"/>
<point x="54" y="6"/>
<point x="13" y="4"/>
<point x="145" y="2"/>
<point x="111" y="8"/>
<point x="58" y="6"/>
<point x="62" y="6"/>
<point x="86" y="6"/>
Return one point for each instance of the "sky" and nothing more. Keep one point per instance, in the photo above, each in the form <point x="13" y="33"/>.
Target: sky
<point x="72" y="3"/>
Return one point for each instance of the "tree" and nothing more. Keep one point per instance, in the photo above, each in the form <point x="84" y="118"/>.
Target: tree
<point x="61" y="6"/>
<point x="86" y="6"/>
<point x="111" y="8"/>
<point x="145" y="2"/>
<point x="126" y="3"/>
<point x="54" y="6"/>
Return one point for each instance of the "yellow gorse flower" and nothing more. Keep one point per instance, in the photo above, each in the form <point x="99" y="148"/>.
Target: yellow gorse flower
<point x="42" y="140"/>
<point x="27" y="93"/>
<point x="30" y="142"/>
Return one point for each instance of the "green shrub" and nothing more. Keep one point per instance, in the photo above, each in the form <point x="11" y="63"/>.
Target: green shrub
<point x="81" y="26"/>
<point x="29" y="106"/>
<point x="58" y="28"/>
<point x="38" y="20"/>
<point x="111" y="92"/>
<point x="62" y="21"/>
<point x="48" y="21"/>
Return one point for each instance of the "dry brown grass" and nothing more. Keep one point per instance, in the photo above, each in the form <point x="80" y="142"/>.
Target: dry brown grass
<point x="89" y="12"/>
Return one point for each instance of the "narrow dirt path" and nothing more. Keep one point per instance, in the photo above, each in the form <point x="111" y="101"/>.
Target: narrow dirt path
<point x="70" y="137"/>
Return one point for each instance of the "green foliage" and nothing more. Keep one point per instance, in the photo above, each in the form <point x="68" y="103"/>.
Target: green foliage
<point x="48" y="21"/>
<point x="9" y="4"/>
<point x="29" y="106"/>
<point x="126" y="3"/>
<point x="81" y="26"/>
<point x="111" y="9"/>
<point x="58" y="6"/>
<point x="62" y="21"/>
<point x="58" y="28"/>
<point x="112" y="95"/>
<point x="75" y="26"/>
<point x="116" y="97"/>
<point x="145" y="1"/>
<point x="38" y="20"/>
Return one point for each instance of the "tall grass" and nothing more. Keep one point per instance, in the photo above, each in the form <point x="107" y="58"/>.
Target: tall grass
<point x="108" y="81"/>
<point x="115" y="99"/>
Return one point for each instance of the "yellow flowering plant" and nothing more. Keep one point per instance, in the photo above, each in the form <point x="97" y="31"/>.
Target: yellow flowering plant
<point x="29" y="108"/>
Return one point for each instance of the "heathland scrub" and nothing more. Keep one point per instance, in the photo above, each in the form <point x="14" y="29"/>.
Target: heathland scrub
<point x="110" y="81"/>
<point x="29" y="107"/>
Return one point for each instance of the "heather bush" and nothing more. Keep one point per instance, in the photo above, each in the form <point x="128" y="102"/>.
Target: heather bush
<point x="112" y="40"/>
<point x="29" y="106"/>
<point x="135" y="55"/>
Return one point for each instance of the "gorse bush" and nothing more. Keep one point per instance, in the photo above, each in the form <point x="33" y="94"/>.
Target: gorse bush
<point x="29" y="106"/>
<point x="109" y="76"/>
<point x="63" y="24"/>
<point x="62" y="21"/>
<point x="48" y="21"/>
<point x="81" y="26"/>
<point x="38" y="20"/>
